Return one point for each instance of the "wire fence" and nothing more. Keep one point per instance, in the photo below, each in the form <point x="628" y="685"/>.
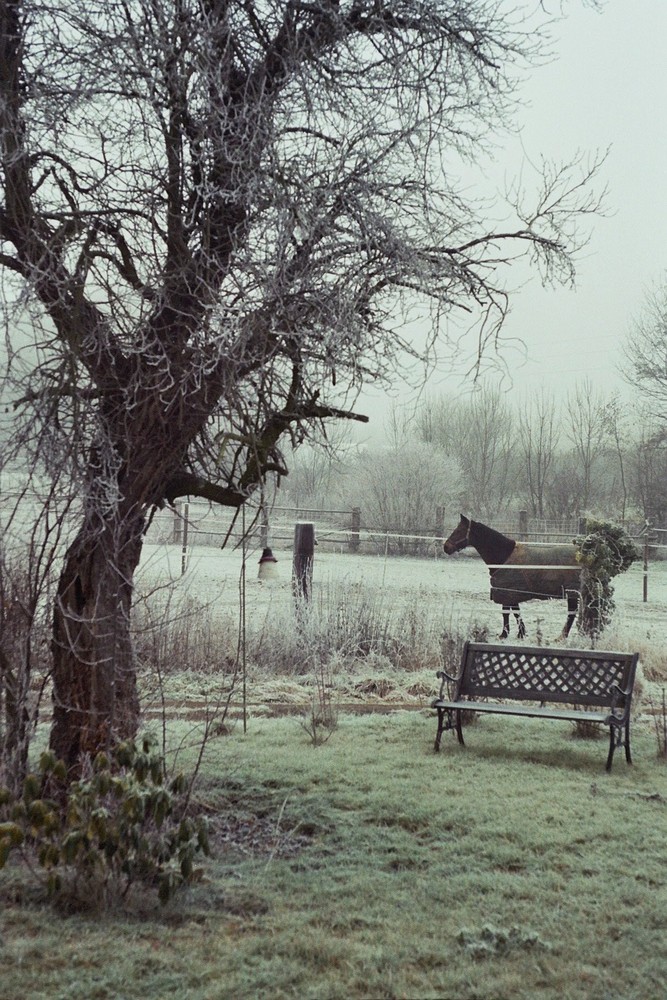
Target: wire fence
<point x="196" y="522"/>
<point x="345" y="530"/>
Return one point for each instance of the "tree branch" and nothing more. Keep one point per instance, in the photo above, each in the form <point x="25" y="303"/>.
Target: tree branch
<point x="188" y="484"/>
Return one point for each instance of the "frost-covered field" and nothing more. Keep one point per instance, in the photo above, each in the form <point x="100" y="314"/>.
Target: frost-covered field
<point x="455" y="588"/>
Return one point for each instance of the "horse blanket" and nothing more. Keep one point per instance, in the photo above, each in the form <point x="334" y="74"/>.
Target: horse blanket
<point x="510" y="584"/>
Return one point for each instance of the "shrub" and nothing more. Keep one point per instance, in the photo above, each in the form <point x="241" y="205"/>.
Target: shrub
<point x="321" y="719"/>
<point x="182" y="632"/>
<point x="118" y="826"/>
<point x="605" y="551"/>
<point x="32" y="540"/>
<point x="24" y="659"/>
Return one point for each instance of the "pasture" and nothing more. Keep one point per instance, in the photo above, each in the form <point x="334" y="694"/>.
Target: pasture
<point x="369" y="866"/>
<point x="446" y="592"/>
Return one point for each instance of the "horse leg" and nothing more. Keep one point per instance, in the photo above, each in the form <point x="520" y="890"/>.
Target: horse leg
<point x="572" y="608"/>
<point x="506" y="623"/>
<point x="521" y="628"/>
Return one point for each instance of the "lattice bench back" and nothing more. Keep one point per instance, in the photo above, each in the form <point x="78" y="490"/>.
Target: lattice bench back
<point x="538" y="673"/>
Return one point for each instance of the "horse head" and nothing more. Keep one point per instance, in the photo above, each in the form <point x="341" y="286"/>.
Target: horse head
<point x="460" y="536"/>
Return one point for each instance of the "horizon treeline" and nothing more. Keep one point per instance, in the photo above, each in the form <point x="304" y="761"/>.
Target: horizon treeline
<point x="493" y="453"/>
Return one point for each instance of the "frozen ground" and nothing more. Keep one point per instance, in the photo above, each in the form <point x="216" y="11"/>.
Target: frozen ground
<point x="455" y="587"/>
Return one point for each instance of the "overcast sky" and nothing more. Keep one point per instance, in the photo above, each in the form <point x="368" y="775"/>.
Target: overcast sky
<point x="605" y="87"/>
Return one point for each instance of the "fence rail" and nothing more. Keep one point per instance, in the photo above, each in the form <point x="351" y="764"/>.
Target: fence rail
<point x="345" y="529"/>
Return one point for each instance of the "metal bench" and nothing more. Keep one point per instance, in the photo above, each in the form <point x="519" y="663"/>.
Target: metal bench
<point x="502" y="679"/>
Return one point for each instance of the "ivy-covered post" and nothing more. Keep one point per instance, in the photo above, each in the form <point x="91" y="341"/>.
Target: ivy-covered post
<point x="604" y="551"/>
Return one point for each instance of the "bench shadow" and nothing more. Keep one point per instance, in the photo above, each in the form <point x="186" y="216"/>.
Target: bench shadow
<point x="573" y="753"/>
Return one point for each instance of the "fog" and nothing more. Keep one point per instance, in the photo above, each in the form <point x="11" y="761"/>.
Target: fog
<point x="599" y="91"/>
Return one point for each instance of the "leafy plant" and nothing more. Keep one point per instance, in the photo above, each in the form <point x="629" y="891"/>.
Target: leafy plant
<point x="603" y="552"/>
<point x="119" y="825"/>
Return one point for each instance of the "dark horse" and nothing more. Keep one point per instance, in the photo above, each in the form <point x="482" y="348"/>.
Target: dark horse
<point x="521" y="571"/>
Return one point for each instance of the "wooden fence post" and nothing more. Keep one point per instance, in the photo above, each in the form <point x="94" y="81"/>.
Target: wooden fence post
<point x="523" y="525"/>
<point x="440" y="522"/>
<point x="304" y="553"/>
<point x="356" y="527"/>
<point x="177" y="529"/>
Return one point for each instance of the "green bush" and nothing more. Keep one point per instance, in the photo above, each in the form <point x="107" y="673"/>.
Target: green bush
<point x="603" y="552"/>
<point x="121" y="824"/>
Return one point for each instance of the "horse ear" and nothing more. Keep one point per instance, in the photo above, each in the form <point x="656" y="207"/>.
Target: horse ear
<point x="466" y="519"/>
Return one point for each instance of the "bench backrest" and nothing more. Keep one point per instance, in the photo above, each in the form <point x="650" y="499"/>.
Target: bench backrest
<point x="540" y="673"/>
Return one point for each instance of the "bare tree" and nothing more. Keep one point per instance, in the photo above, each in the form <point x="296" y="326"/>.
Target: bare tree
<point x="645" y="369"/>
<point x="213" y="214"/>
<point x="400" y="488"/>
<point x="586" y="427"/>
<point x="538" y="435"/>
<point x="564" y="496"/>
<point x="645" y="352"/>
<point x="435" y="422"/>
<point x="488" y="458"/>
<point x="317" y="466"/>
<point x="478" y="432"/>
<point x="649" y="471"/>
<point x="615" y="415"/>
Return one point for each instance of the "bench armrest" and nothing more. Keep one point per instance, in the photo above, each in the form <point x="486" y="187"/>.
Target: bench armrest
<point x="617" y="692"/>
<point x="444" y="678"/>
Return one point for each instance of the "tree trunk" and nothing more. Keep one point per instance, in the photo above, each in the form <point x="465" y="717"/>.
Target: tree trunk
<point x="94" y="671"/>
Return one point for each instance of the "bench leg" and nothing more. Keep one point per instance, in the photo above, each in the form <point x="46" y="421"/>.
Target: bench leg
<point x="612" y="747"/>
<point x="616" y="739"/>
<point x="441" y="726"/>
<point x="445" y="722"/>
<point x="459" y="726"/>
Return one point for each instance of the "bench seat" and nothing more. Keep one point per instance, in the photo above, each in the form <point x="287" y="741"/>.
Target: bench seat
<point x="529" y="711"/>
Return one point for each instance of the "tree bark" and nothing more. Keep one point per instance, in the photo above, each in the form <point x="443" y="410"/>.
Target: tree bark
<point x="94" y="670"/>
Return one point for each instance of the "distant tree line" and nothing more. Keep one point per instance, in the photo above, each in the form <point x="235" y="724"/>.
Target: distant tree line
<point x="493" y="453"/>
